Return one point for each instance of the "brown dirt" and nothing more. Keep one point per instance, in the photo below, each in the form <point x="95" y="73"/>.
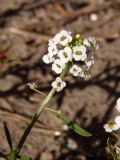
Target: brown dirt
<point x="25" y="27"/>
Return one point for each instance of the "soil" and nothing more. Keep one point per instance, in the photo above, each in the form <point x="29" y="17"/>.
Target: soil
<point x="25" y="28"/>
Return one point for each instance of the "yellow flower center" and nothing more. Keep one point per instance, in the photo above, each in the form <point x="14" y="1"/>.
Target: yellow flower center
<point x="78" y="53"/>
<point x="65" y="55"/>
<point x="58" y="84"/>
<point x="62" y="38"/>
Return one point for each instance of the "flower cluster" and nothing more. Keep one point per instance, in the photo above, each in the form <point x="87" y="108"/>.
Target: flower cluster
<point x="109" y="127"/>
<point x="66" y="48"/>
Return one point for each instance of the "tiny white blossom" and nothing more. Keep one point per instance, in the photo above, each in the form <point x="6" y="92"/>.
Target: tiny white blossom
<point x="48" y="59"/>
<point x="93" y="17"/>
<point x="65" y="55"/>
<point x="52" y="50"/>
<point x="63" y="37"/>
<point x="58" y="84"/>
<point x="86" y="42"/>
<point x="58" y="66"/>
<point x="117" y="149"/>
<point x="79" y="53"/>
<point x="89" y="63"/>
<point x="75" y="70"/>
<point x="110" y="127"/>
<point x="85" y="75"/>
<point x="117" y="120"/>
<point x="51" y="42"/>
<point x="118" y="105"/>
<point x="90" y="41"/>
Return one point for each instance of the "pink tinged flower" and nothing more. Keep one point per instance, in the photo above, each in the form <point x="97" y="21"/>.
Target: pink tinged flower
<point x="90" y="41"/>
<point x="89" y="63"/>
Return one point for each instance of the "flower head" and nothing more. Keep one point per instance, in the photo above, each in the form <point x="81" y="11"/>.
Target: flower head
<point x="58" y="84"/>
<point x="110" y="127"/>
<point x="65" y="49"/>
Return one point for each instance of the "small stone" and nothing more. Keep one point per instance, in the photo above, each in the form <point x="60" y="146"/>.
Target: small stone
<point x="93" y="17"/>
<point x="57" y="133"/>
<point x="71" y="144"/>
<point x="65" y="127"/>
<point x="46" y="156"/>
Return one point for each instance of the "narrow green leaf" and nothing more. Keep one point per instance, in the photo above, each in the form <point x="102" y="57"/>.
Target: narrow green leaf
<point x="7" y="133"/>
<point x="111" y="149"/>
<point x="25" y="158"/>
<point x="75" y="127"/>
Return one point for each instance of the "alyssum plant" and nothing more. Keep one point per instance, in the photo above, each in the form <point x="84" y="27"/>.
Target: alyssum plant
<point x="66" y="52"/>
<point x="114" y="127"/>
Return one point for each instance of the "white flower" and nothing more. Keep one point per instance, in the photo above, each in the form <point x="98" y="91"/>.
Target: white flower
<point x="63" y="37"/>
<point x="89" y="63"/>
<point x="85" y="75"/>
<point x="117" y="120"/>
<point x="110" y="127"/>
<point x="90" y="41"/>
<point x="52" y="50"/>
<point x="51" y="42"/>
<point x="75" y="70"/>
<point x="65" y="55"/>
<point x="93" y="17"/>
<point x="86" y="42"/>
<point x="58" y="84"/>
<point x="79" y="53"/>
<point x="117" y="149"/>
<point x="48" y="59"/>
<point x="58" y="66"/>
<point x="118" y="105"/>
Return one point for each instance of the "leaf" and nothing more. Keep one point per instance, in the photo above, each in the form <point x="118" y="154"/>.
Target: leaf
<point x="12" y="155"/>
<point x="75" y="127"/>
<point x="111" y="149"/>
<point x="25" y="158"/>
<point x="7" y="133"/>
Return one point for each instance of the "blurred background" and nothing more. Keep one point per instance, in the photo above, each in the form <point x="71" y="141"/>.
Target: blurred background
<point x="25" y="28"/>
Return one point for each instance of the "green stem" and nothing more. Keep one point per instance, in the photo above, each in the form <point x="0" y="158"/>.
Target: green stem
<point x="39" y="112"/>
